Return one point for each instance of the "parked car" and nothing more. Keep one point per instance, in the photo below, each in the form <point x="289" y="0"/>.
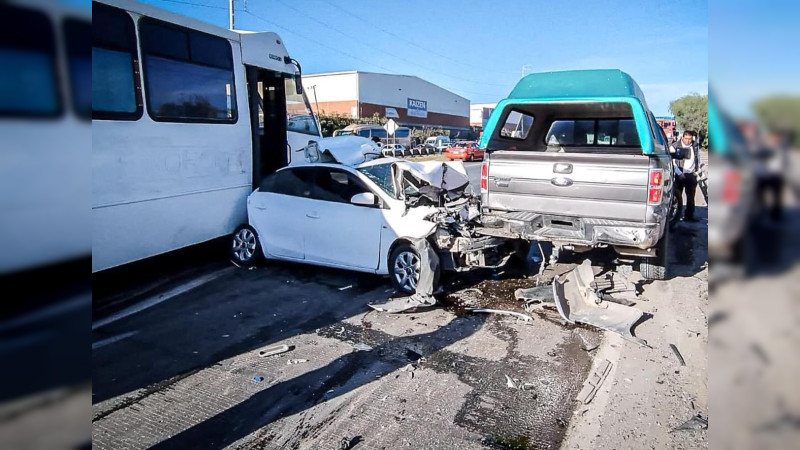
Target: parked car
<point x="437" y="143"/>
<point x="396" y="150"/>
<point x="369" y="217"/>
<point x="467" y="151"/>
<point x="577" y="159"/>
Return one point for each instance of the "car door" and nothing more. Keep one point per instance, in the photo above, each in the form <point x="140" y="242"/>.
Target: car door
<point x="278" y="211"/>
<point x="339" y="232"/>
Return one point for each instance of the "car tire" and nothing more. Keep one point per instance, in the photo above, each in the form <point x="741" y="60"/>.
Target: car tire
<point x="245" y="249"/>
<point x="471" y="158"/>
<point x="403" y="257"/>
<point x="657" y="268"/>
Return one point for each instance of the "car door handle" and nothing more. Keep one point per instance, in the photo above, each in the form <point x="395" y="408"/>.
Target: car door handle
<point x="261" y="207"/>
<point x="312" y="215"/>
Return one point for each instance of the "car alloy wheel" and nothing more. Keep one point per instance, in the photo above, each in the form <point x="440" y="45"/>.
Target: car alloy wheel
<point x="244" y="245"/>
<point x="406" y="270"/>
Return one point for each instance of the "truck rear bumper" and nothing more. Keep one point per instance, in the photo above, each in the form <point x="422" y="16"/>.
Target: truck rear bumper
<point x="580" y="231"/>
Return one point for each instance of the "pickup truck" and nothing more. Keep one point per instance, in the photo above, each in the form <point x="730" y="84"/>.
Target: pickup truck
<point x="576" y="158"/>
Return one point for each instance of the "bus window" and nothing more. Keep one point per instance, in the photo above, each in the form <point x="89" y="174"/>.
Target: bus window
<point x="402" y="133"/>
<point x="28" y="81"/>
<point x="299" y="116"/>
<point x="114" y="81"/>
<point x="78" y="36"/>
<point x="188" y="74"/>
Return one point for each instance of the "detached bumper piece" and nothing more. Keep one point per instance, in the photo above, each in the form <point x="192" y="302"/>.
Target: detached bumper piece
<point x="577" y="301"/>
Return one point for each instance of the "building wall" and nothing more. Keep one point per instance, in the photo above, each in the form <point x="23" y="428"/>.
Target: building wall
<point x="479" y="113"/>
<point x="395" y="90"/>
<point x="332" y="87"/>
<point x="433" y="119"/>
<point x="362" y="94"/>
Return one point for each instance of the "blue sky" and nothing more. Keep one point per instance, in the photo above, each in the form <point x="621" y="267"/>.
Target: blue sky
<point x="478" y="49"/>
<point x="754" y="52"/>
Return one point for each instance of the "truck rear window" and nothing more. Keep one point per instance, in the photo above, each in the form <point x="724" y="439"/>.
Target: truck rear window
<point x="593" y="133"/>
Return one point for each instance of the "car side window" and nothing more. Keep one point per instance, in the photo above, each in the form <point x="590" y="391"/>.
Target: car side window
<point x="333" y="185"/>
<point x="296" y="182"/>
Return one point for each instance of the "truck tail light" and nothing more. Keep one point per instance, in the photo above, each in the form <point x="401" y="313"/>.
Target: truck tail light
<point x="655" y="186"/>
<point x="484" y="176"/>
<point x="654" y="196"/>
<point x="731" y="183"/>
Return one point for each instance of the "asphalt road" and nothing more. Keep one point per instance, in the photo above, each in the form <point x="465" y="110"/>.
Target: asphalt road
<point x="176" y="359"/>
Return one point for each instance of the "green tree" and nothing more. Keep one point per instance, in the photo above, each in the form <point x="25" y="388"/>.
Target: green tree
<point x="780" y="114"/>
<point x="691" y="113"/>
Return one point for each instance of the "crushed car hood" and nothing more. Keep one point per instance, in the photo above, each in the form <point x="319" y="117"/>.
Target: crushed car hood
<point x="348" y="150"/>
<point x="446" y="175"/>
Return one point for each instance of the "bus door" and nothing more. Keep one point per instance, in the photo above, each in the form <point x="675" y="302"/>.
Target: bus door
<point x="267" y="99"/>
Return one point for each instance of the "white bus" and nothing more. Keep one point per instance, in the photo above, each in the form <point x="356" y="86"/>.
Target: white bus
<point x="45" y="134"/>
<point x="187" y="118"/>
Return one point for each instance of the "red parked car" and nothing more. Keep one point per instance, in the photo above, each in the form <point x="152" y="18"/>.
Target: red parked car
<point x="467" y="151"/>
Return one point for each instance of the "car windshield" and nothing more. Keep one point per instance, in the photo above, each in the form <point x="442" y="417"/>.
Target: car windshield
<point x="462" y="144"/>
<point x="380" y="174"/>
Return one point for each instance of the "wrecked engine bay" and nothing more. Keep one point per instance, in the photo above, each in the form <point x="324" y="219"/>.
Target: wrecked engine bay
<point x="444" y="190"/>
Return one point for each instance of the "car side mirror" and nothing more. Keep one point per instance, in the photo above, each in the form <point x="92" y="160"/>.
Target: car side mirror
<point x="364" y="199"/>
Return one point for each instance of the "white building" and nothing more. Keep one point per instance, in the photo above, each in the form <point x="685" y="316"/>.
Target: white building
<point x="409" y="100"/>
<point x="479" y="113"/>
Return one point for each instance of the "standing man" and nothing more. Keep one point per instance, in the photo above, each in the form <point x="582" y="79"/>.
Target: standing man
<point x="685" y="170"/>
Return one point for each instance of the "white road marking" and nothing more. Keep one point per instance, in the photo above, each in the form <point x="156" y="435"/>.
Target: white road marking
<point x="112" y="339"/>
<point x="141" y="306"/>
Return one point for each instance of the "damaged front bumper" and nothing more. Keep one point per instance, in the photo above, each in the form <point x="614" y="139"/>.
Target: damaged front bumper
<point x="457" y="244"/>
<point x="577" y="231"/>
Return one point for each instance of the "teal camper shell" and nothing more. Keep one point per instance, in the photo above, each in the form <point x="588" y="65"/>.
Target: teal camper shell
<point x="577" y="86"/>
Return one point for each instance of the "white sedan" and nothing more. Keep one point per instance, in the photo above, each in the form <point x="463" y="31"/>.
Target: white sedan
<point x="365" y="217"/>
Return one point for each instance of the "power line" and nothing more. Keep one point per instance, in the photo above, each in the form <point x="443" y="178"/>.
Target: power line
<point x="290" y="31"/>
<point x="427" y="49"/>
<point x="194" y="4"/>
<point x="274" y="24"/>
<point x="483" y="83"/>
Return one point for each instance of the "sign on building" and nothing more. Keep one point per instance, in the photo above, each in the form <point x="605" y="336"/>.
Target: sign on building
<point x="417" y="108"/>
<point x="391" y="113"/>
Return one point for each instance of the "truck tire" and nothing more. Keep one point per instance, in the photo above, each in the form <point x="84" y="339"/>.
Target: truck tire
<point x="657" y="268"/>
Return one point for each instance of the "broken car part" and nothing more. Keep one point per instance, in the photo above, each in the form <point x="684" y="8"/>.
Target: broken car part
<point x="274" y="350"/>
<point x="677" y="354"/>
<point x="501" y="312"/>
<point x="697" y="422"/>
<point x="578" y="302"/>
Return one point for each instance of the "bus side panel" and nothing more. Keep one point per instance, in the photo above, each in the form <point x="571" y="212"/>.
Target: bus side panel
<point x="160" y="186"/>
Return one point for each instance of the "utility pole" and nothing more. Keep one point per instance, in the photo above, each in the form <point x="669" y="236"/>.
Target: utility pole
<point x="230" y="14"/>
<point x="526" y="68"/>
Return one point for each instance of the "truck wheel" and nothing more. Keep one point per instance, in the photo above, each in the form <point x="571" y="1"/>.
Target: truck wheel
<point x="405" y="267"/>
<point x="656" y="268"/>
<point x="245" y="250"/>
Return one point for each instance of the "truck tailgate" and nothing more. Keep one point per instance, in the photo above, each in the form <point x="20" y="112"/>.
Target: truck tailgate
<point x="603" y="186"/>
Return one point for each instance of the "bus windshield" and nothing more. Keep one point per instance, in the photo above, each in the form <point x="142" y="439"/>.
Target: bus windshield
<point x="300" y="117"/>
